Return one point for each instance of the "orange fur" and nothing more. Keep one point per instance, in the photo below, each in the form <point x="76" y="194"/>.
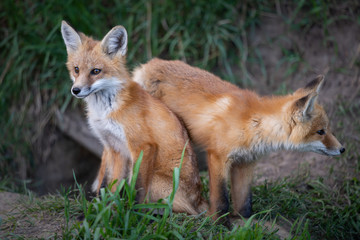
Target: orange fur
<point x="128" y="120"/>
<point x="235" y="125"/>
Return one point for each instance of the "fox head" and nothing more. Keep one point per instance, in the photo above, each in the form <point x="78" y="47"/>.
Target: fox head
<point x="310" y="127"/>
<point x="95" y="66"/>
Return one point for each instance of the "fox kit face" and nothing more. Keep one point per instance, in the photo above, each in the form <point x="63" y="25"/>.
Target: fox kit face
<point x="310" y="124"/>
<point x="95" y="66"/>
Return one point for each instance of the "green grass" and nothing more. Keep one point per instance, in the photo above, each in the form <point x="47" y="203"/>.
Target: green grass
<point x="331" y="213"/>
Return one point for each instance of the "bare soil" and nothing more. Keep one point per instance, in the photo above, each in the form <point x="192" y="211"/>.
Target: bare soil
<point x="17" y="222"/>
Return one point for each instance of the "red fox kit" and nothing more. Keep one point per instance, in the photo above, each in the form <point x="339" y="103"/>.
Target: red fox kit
<point x="127" y="120"/>
<point x="236" y="126"/>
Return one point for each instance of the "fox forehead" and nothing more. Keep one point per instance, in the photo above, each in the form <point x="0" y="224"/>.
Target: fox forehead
<point x="88" y="55"/>
<point x="319" y="118"/>
<point x="319" y="121"/>
<point x="306" y="131"/>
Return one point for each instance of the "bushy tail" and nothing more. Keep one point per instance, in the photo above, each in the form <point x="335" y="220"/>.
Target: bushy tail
<point x="150" y="76"/>
<point x="145" y="79"/>
<point x="139" y="76"/>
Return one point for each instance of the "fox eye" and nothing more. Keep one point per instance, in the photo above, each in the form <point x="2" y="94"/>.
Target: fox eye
<point x="76" y="70"/>
<point x="321" y="132"/>
<point x="95" y="71"/>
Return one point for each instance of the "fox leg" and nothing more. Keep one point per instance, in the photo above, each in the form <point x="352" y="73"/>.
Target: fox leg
<point x="146" y="171"/>
<point x="119" y="168"/>
<point x="219" y="197"/>
<point x="188" y="196"/>
<point x="100" y="177"/>
<point x="241" y="177"/>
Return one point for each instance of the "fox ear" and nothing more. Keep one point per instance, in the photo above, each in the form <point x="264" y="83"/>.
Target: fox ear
<point x="305" y="106"/>
<point x="315" y="85"/>
<point x="115" y="41"/>
<point x="71" y="37"/>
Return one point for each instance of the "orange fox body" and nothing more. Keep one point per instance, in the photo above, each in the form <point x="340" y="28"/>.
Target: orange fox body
<point x="127" y="120"/>
<point x="236" y="126"/>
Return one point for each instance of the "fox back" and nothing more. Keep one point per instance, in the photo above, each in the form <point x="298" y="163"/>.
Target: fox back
<point x="292" y="122"/>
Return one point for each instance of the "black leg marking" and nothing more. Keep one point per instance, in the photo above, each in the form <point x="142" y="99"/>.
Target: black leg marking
<point x="246" y="210"/>
<point x="223" y="204"/>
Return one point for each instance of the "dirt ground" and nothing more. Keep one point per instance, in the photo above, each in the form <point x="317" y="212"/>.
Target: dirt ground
<point x="17" y="222"/>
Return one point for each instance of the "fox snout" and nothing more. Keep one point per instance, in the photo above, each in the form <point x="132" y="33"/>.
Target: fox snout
<point x="327" y="145"/>
<point x="336" y="152"/>
<point x="80" y="92"/>
<point x="321" y="148"/>
<point x="332" y="146"/>
<point x="75" y="91"/>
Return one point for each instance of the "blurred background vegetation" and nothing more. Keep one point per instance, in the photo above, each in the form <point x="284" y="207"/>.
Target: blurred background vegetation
<point x="270" y="46"/>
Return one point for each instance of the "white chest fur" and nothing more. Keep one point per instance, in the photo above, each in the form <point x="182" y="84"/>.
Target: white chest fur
<point x="110" y="132"/>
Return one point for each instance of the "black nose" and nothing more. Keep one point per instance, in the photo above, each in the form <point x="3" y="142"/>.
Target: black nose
<point x="342" y="150"/>
<point x="76" y="90"/>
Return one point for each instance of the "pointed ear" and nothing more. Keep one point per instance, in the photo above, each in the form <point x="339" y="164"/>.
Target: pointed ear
<point x="71" y="37"/>
<point x="304" y="106"/>
<point x="115" y="41"/>
<point x="315" y="85"/>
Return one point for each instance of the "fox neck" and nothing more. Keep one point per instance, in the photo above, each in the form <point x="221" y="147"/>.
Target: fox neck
<point x="270" y="135"/>
<point x="270" y="127"/>
<point x="103" y="102"/>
